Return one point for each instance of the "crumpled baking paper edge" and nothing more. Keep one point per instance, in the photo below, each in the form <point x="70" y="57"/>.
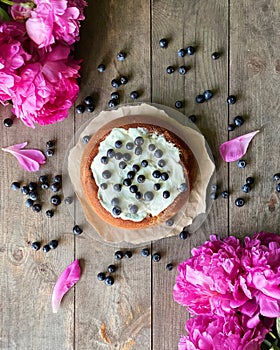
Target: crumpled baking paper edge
<point x="197" y="200"/>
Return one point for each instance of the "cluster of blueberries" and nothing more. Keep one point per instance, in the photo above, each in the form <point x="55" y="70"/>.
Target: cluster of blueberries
<point x="107" y="277"/>
<point x="31" y="190"/>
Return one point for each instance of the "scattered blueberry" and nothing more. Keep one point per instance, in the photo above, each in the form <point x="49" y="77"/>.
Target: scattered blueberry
<point x="148" y="196"/>
<point x="46" y="248"/>
<point x="239" y="202"/>
<point x="55" y="187"/>
<point x="112" y="268"/>
<point x="238" y="120"/>
<point x="45" y="185"/>
<point x="122" y="165"/>
<point x="25" y="190"/>
<point x="113" y="103"/>
<point x="126" y="182"/>
<point x="115" y="95"/>
<point x="55" y="200"/>
<point x="225" y="194"/>
<point x="250" y="180"/>
<point x="49" y="152"/>
<point x="156" y="174"/>
<point x="101" y="276"/>
<point x="182" y="53"/>
<point x="101" y="68"/>
<point x="117" y="187"/>
<point x="8" y="122"/>
<point x="241" y="163"/>
<point x="170" y="70"/>
<point x="15" y="185"/>
<point x="106" y="174"/>
<point x="215" y="55"/>
<point x="121" y="56"/>
<point x="111" y="153"/>
<point x="118" y="255"/>
<point x="208" y="94"/>
<point x="141" y="179"/>
<point x="199" y="99"/>
<point x="109" y="280"/>
<point x="58" y="178"/>
<point x="276" y="177"/>
<point x="169" y="267"/>
<point x="190" y="50"/>
<point x="77" y="230"/>
<point x="179" y="104"/>
<point x="36" y="245"/>
<point x="278" y="188"/>
<point x="53" y="244"/>
<point x="115" y="83"/>
<point x="90" y="108"/>
<point x="85" y="139"/>
<point x="128" y="254"/>
<point x="182" y="70"/>
<point x="192" y="118"/>
<point x="246" y="188"/>
<point x="169" y="222"/>
<point x="213" y="195"/>
<point x="145" y="252"/>
<point x="138" y="195"/>
<point x="231" y="127"/>
<point x="50" y="144"/>
<point x="144" y="163"/>
<point x="163" y="43"/>
<point x="135" y="167"/>
<point x="134" y="95"/>
<point x="214" y="188"/>
<point x="43" y="178"/>
<point x="123" y="80"/>
<point x="88" y="100"/>
<point x="156" y="257"/>
<point x="231" y="100"/>
<point x="49" y="213"/>
<point x="80" y="109"/>
<point x="29" y="203"/>
<point x="164" y="176"/>
<point x="32" y="186"/>
<point x="36" y="207"/>
<point x="133" y="189"/>
<point x="183" y="234"/>
<point x="33" y="195"/>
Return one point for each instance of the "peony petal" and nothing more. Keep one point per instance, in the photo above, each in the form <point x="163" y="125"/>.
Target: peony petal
<point x="29" y="159"/>
<point x="236" y="148"/>
<point x="69" y="277"/>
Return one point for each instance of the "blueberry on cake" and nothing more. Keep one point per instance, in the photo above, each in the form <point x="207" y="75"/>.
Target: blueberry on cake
<point x="136" y="175"/>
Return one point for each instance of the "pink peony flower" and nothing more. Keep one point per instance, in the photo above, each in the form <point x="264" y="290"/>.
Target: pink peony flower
<point x="47" y="88"/>
<point x="224" y="276"/>
<point x="21" y="10"/>
<point x="12" y="57"/>
<point x="55" y="20"/>
<point x="223" y="333"/>
<point x="205" y="282"/>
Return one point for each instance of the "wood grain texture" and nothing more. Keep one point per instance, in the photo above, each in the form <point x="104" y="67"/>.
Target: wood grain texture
<point x="254" y="78"/>
<point x="116" y="317"/>
<point x="27" y="277"/>
<point x="187" y="24"/>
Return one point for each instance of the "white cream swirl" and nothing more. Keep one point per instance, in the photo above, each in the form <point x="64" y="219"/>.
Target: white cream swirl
<point x="108" y="171"/>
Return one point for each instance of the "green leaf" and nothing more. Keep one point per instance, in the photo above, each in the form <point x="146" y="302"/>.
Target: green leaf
<point x="4" y="17"/>
<point x="278" y="326"/>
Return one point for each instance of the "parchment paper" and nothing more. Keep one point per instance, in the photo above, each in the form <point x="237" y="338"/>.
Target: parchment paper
<point x="196" y="204"/>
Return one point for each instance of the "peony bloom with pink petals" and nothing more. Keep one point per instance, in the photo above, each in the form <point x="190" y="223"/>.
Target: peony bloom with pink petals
<point x="225" y="276"/>
<point x="13" y="56"/>
<point x="56" y="20"/>
<point x="223" y="333"/>
<point x="47" y="87"/>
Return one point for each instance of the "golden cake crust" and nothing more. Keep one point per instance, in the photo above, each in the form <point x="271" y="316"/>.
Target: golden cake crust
<point x="90" y="188"/>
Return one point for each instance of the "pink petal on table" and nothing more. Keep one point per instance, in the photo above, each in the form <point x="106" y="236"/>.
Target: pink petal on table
<point x="69" y="277"/>
<point x="29" y="159"/>
<point x="236" y="148"/>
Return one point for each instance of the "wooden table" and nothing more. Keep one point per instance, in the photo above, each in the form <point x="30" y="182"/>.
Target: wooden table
<point x="138" y="311"/>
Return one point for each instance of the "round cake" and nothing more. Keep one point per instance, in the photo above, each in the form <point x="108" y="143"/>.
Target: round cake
<point x="135" y="175"/>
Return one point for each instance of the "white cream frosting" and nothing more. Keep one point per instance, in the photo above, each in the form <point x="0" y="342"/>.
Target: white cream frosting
<point x="173" y="168"/>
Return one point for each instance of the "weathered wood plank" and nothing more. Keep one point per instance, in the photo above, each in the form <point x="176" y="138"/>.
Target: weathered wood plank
<point x="27" y="277"/>
<point x="116" y="317"/>
<point x="254" y="78"/>
<point x="188" y="23"/>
